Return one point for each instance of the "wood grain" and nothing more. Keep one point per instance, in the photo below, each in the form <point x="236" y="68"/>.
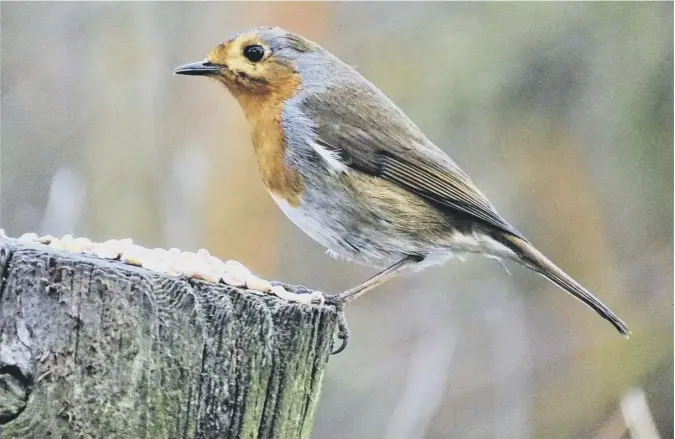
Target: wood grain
<point x="96" y="348"/>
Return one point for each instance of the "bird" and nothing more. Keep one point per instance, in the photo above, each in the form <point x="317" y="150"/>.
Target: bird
<point x="356" y="174"/>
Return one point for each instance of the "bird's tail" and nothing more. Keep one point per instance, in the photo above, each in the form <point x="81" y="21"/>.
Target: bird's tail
<point x="535" y="260"/>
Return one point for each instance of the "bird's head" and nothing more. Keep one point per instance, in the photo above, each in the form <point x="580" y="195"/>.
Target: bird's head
<point x="256" y="62"/>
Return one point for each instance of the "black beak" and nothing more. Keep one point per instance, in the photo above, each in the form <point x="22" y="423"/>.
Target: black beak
<point x="200" y="68"/>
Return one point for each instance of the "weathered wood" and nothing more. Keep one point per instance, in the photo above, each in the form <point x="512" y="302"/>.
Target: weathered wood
<point x="96" y="348"/>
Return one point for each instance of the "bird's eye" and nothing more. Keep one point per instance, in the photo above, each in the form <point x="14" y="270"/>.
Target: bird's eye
<point x="254" y="53"/>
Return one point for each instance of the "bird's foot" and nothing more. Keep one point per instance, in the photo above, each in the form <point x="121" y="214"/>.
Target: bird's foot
<point x="331" y="300"/>
<point x="343" y="331"/>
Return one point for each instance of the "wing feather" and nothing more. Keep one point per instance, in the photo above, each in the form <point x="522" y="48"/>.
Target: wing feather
<point x="369" y="134"/>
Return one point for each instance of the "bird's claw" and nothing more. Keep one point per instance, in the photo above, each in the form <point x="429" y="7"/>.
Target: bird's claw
<point x="343" y="331"/>
<point x="330" y="299"/>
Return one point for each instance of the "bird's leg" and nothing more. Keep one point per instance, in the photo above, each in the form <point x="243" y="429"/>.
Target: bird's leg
<point x="341" y="299"/>
<point x="377" y="280"/>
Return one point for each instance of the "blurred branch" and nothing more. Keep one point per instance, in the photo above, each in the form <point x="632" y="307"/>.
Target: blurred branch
<point x="427" y="376"/>
<point x="633" y="419"/>
<point x="507" y="326"/>
<point x="65" y="203"/>
<point x="120" y="150"/>
<point x="638" y="417"/>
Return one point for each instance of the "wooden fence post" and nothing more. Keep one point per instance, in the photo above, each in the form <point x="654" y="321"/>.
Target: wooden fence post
<point x="100" y="349"/>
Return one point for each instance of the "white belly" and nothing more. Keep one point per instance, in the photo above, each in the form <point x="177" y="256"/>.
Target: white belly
<point x="308" y="223"/>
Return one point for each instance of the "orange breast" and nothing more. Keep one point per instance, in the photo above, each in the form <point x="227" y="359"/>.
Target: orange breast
<point x="263" y="113"/>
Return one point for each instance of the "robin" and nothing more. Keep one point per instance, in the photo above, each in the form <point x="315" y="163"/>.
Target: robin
<point x="352" y="171"/>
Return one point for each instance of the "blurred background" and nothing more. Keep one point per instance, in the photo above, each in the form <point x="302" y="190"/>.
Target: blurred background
<point x="561" y="112"/>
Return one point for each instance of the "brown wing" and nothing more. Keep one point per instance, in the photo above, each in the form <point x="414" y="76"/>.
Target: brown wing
<point x="373" y="136"/>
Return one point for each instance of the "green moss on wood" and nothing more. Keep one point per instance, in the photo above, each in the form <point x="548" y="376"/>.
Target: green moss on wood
<point x="110" y="350"/>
